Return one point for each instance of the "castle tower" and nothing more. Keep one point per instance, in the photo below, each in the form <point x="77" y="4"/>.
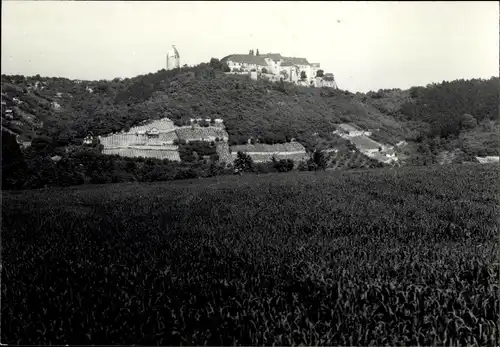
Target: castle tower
<point x="173" y="59"/>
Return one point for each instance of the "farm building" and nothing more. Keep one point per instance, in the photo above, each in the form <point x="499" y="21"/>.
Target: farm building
<point x="366" y="145"/>
<point x="488" y="160"/>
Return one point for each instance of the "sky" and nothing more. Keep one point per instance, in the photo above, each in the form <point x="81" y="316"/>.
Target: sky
<point x="366" y="45"/>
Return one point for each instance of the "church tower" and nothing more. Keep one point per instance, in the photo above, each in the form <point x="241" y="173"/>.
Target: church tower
<point x="173" y="59"/>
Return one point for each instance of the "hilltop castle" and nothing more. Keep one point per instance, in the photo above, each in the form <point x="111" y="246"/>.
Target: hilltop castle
<point x="274" y="66"/>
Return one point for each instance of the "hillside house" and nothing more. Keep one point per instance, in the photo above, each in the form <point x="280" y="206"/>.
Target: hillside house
<point x="88" y="140"/>
<point x="56" y="158"/>
<point x="153" y="133"/>
<point x="25" y="144"/>
<point x="488" y="159"/>
<point x="382" y="158"/>
<point x="389" y="152"/>
<point x="366" y="145"/>
<point x="245" y="62"/>
<point x="401" y="144"/>
<point x="290" y="69"/>
<point x="350" y="130"/>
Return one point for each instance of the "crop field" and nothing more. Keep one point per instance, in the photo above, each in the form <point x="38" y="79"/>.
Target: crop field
<point x="365" y="257"/>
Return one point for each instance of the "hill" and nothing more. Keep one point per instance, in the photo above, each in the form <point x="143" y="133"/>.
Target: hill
<point x="57" y="113"/>
<point x="261" y="110"/>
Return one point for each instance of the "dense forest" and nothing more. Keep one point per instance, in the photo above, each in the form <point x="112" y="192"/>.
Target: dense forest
<point x="57" y="113"/>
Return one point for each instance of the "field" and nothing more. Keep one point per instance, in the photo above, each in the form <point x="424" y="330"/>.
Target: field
<point x="365" y="257"/>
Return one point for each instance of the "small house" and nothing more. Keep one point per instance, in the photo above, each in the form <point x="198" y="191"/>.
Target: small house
<point x="153" y="132"/>
<point x="88" y="140"/>
<point x="350" y="130"/>
<point x="488" y="159"/>
<point x="366" y="145"/>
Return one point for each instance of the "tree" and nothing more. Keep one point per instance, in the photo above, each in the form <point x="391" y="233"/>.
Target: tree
<point x="215" y="169"/>
<point x="283" y="165"/>
<point x="215" y="64"/>
<point x="319" y="161"/>
<point x="303" y="75"/>
<point x="284" y="73"/>
<point x="243" y="162"/>
<point x="319" y="73"/>
<point x="250" y="52"/>
<point x="13" y="164"/>
<point x="257" y="54"/>
<point x="264" y="70"/>
<point x="468" y="121"/>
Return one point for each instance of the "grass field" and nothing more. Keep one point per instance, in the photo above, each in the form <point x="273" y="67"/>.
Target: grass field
<point x="367" y="257"/>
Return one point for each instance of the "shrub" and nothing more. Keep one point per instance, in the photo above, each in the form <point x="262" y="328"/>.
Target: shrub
<point x="243" y="162"/>
<point x="283" y="165"/>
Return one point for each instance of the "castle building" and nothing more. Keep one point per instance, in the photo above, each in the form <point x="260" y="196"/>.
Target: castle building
<point x="173" y="59"/>
<point x="290" y="69"/>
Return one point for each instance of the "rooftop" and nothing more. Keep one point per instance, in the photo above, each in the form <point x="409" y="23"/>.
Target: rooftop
<point x="364" y="142"/>
<point x="296" y="61"/>
<point x="348" y="127"/>
<point x="246" y="58"/>
<point x="487" y="160"/>
<point x="273" y="56"/>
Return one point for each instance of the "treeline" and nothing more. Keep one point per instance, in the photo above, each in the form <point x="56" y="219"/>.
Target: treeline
<point x="42" y="166"/>
<point x="461" y="114"/>
<point x="452" y="107"/>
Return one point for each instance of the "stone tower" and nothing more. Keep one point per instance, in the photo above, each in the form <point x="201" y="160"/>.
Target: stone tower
<point x="173" y="59"/>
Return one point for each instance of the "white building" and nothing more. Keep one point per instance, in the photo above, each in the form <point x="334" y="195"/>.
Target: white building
<point x="290" y="69"/>
<point x="173" y="59"/>
<point x="488" y="159"/>
<point x="350" y="130"/>
<point x="88" y="139"/>
<point x="245" y="62"/>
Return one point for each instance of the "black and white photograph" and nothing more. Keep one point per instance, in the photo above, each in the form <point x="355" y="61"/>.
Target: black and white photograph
<point x="250" y="173"/>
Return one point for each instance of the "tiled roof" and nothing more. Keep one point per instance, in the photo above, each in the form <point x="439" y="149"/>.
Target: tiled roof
<point x="364" y="142"/>
<point x="273" y="56"/>
<point x="247" y="59"/>
<point x="348" y="127"/>
<point x="486" y="160"/>
<point x="296" y="61"/>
